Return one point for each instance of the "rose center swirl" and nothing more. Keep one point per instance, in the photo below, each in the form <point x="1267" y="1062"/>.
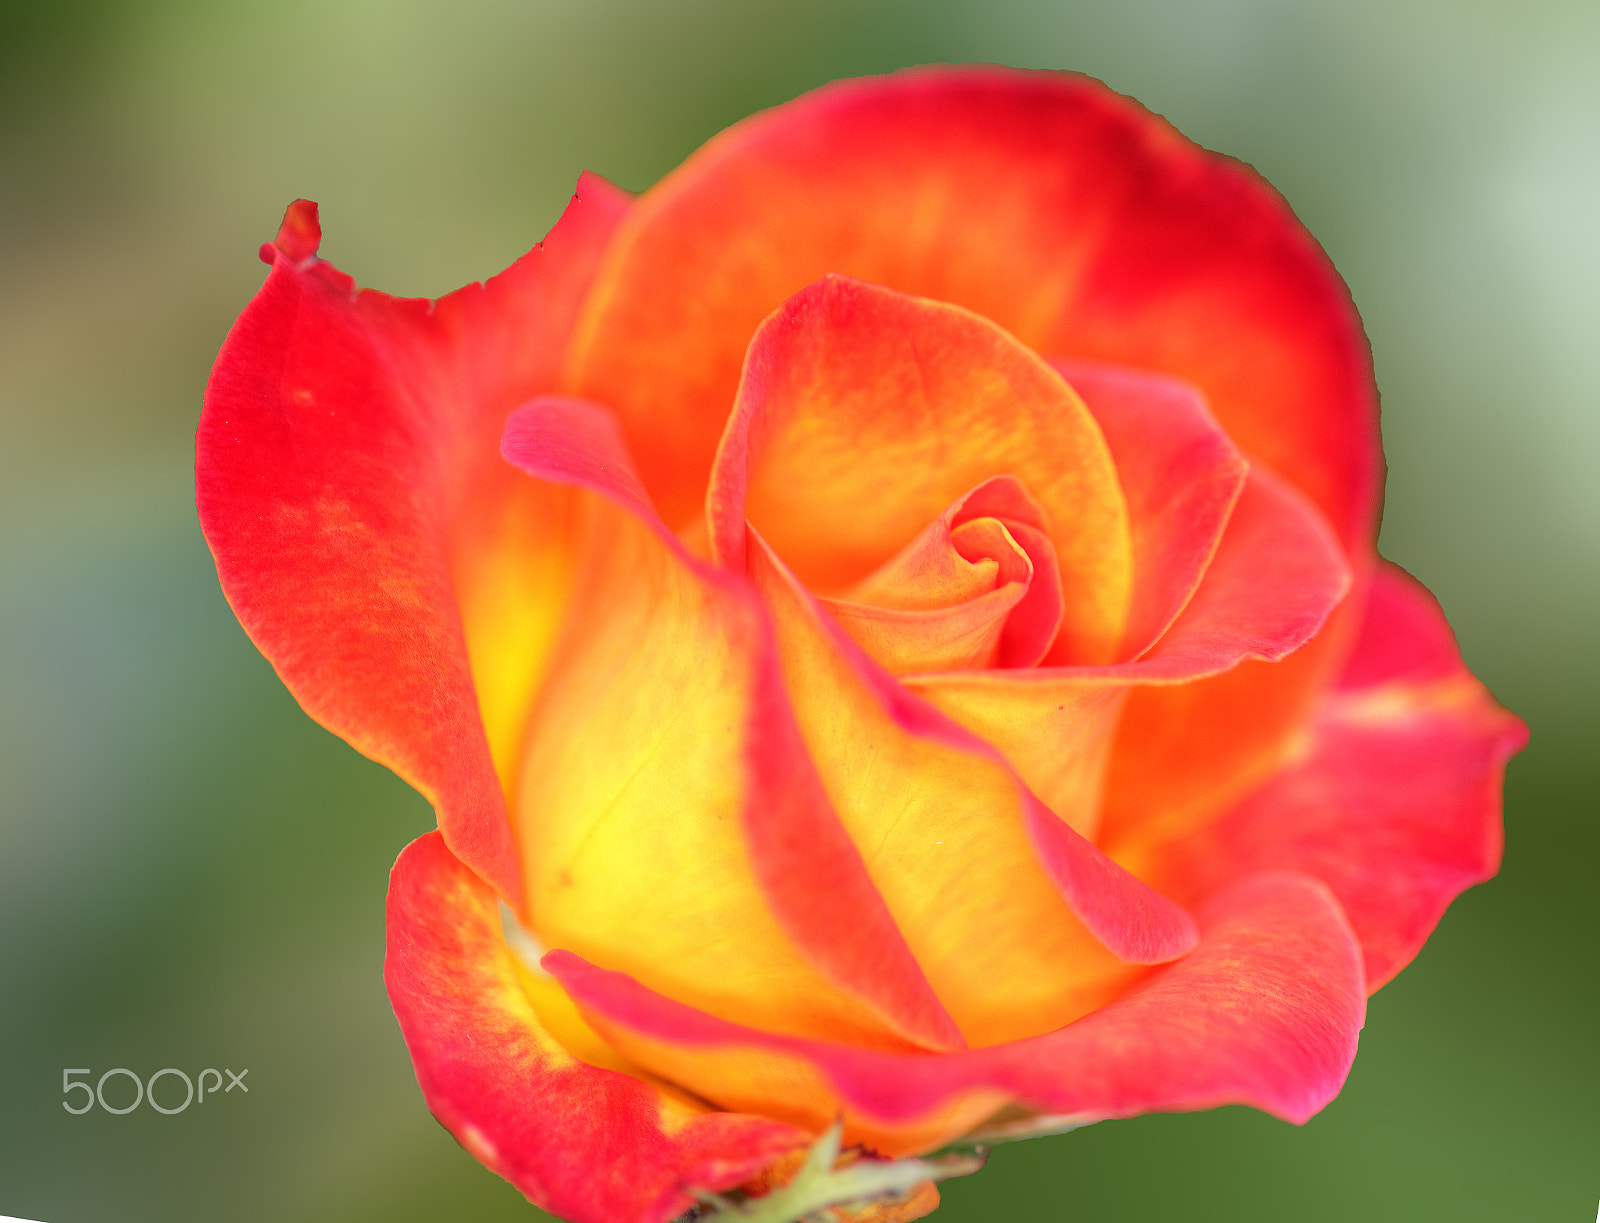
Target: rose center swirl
<point x="978" y="587"/>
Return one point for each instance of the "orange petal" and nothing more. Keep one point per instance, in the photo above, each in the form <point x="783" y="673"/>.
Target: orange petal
<point x="933" y="571"/>
<point x="1070" y="216"/>
<point x="1054" y="726"/>
<point x="1184" y="752"/>
<point x="670" y="822"/>
<point x="967" y="592"/>
<point x="863" y="413"/>
<point x="937" y="639"/>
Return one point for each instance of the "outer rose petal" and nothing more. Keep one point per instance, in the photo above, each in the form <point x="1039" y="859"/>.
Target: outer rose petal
<point x="589" y="1144"/>
<point x="365" y="532"/>
<point x="1079" y="222"/>
<point x="670" y="820"/>
<point x="1264" y="1012"/>
<point x="863" y="413"/>
<point x="1394" y="799"/>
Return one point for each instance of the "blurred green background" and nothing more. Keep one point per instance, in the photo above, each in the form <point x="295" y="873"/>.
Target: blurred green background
<point x="192" y="873"/>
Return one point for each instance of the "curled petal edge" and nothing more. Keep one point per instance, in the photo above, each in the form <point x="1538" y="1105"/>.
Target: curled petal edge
<point x="1394" y="797"/>
<point x="590" y="1144"/>
<point x="1265" y="1012"/>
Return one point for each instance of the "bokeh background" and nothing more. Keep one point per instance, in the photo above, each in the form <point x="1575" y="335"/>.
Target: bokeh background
<point x="192" y="873"/>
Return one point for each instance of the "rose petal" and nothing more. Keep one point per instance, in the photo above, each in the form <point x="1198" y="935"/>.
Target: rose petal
<point x="903" y="640"/>
<point x="934" y="571"/>
<point x="971" y="590"/>
<point x="1265" y="1012"/>
<point x="1079" y="222"/>
<point x="587" y="1143"/>
<point x="1277" y="574"/>
<point x="366" y="535"/>
<point x="1274" y="578"/>
<point x="863" y="413"/>
<point x="671" y="822"/>
<point x="1394" y="800"/>
<point x="1019" y="923"/>
<point x="1404" y="636"/>
<point x="1185" y="750"/>
<point x="1034" y="625"/>
<point x="1181" y="476"/>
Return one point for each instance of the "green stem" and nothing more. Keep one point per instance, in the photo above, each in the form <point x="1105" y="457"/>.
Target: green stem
<point x="819" y="1185"/>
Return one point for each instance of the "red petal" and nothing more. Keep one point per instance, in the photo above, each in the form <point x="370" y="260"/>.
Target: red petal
<point x="1395" y="799"/>
<point x="1277" y="574"/>
<point x="1404" y="636"/>
<point x="298" y="236"/>
<point x="365" y="532"/>
<point x="671" y="820"/>
<point x="592" y="1145"/>
<point x="1181" y="476"/>
<point x="1265" y="1012"/>
<point x="1034" y="623"/>
<point x="1079" y="222"/>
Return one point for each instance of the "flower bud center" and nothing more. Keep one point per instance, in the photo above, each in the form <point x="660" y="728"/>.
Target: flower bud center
<point x="978" y="587"/>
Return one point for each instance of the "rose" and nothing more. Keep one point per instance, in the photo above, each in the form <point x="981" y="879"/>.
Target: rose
<point x="799" y="885"/>
<point x="923" y="662"/>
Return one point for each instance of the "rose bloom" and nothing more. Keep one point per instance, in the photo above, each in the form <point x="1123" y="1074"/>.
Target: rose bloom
<point x="888" y="620"/>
